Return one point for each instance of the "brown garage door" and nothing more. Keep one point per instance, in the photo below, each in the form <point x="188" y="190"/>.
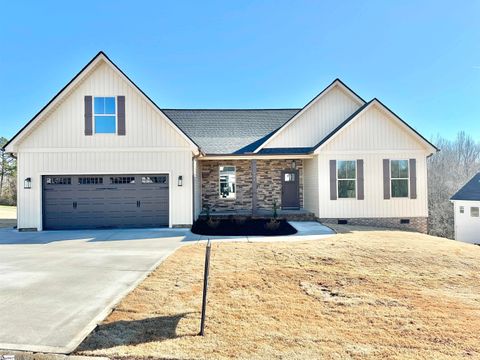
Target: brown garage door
<point x="105" y="201"/>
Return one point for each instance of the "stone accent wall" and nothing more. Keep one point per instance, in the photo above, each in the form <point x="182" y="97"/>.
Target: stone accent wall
<point x="269" y="183"/>
<point x="418" y="224"/>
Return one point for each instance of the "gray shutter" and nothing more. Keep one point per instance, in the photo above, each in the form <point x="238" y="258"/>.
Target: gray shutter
<point x="333" y="179"/>
<point x="88" y="115"/>
<point x="360" y="182"/>
<point x="121" y="115"/>
<point x="386" y="178"/>
<point x="413" y="178"/>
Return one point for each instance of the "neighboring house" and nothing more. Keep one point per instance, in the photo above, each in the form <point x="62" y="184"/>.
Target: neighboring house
<point x="466" y="206"/>
<point x="101" y="153"/>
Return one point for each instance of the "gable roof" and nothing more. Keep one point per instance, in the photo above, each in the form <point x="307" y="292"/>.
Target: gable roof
<point x="335" y="83"/>
<point x="229" y="131"/>
<point x="365" y="108"/>
<point x="470" y="191"/>
<point x="101" y="56"/>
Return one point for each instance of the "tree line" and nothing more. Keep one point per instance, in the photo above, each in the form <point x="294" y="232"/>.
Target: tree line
<point x="8" y="176"/>
<point x="448" y="170"/>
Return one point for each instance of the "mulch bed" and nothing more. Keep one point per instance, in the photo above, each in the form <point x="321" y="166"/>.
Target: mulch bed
<point x="241" y="227"/>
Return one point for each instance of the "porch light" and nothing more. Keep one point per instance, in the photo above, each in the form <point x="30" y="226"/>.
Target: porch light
<point x="180" y="180"/>
<point x="294" y="165"/>
<point x="27" y="183"/>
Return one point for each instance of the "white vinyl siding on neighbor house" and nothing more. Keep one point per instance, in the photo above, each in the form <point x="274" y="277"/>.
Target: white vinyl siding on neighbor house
<point x="317" y="121"/>
<point x="467" y="227"/>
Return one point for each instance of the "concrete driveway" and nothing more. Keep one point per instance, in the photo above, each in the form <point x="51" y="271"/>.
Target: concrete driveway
<point x="55" y="286"/>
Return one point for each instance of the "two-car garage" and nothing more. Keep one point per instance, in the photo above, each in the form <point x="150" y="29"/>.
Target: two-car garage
<point x="105" y="201"/>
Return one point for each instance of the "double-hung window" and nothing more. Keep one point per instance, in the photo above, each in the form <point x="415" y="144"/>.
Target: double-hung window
<point x="347" y="179"/>
<point x="105" y="114"/>
<point x="227" y="182"/>
<point x="399" y="176"/>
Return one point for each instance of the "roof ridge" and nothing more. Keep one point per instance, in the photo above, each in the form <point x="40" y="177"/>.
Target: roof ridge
<point x="234" y="109"/>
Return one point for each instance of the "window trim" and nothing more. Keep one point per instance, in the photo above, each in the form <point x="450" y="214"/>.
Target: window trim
<point x="94" y="115"/>
<point x="407" y="178"/>
<point x="219" y="192"/>
<point x="354" y="179"/>
<point x="478" y="211"/>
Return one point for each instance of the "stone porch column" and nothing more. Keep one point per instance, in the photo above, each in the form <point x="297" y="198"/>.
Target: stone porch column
<point x="254" y="186"/>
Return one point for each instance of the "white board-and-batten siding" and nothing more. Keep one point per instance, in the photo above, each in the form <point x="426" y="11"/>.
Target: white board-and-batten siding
<point x="317" y="121"/>
<point x="372" y="137"/>
<point x="58" y="145"/>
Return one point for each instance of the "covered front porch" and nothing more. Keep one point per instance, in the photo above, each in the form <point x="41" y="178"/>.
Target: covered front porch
<point x="253" y="187"/>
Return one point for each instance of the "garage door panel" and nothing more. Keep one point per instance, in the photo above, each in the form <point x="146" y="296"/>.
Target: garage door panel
<point x="102" y="201"/>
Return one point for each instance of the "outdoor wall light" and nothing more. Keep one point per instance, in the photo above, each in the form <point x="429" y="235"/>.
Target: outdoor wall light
<point x="27" y="183"/>
<point x="294" y="165"/>
<point x="180" y="180"/>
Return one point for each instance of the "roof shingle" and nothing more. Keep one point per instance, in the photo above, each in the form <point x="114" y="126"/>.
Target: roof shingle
<point x="470" y="191"/>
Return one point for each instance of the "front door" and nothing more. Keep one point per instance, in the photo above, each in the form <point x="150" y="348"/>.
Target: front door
<point x="290" y="193"/>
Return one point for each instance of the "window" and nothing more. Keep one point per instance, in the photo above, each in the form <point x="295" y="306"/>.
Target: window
<point x="474" y="212"/>
<point x="462" y="209"/>
<point x="399" y="178"/>
<point x="59" y="180"/>
<point x="90" y="180"/>
<point x="122" y="180"/>
<point x="346" y="175"/>
<point x="289" y="177"/>
<point x="154" y="179"/>
<point x="104" y="110"/>
<point x="227" y="182"/>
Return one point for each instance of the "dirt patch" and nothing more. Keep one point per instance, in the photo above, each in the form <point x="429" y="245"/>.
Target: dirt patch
<point x="358" y="295"/>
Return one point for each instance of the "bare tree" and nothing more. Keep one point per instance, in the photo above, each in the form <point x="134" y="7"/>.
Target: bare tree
<point x="8" y="170"/>
<point x="449" y="170"/>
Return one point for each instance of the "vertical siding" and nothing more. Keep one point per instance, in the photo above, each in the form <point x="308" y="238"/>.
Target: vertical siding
<point x="311" y="189"/>
<point x="64" y="126"/>
<point x="197" y="184"/>
<point x="374" y="205"/>
<point x="373" y="130"/>
<point x="36" y="164"/>
<point x="317" y="121"/>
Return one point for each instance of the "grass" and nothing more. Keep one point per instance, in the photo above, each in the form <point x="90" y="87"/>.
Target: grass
<point x="8" y="216"/>
<point x="356" y="295"/>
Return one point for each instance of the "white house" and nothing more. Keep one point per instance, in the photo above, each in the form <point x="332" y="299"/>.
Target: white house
<point x="101" y="153"/>
<point x="466" y="205"/>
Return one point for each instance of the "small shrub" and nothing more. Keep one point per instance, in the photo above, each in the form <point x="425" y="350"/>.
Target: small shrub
<point x="272" y="225"/>
<point x="275" y="214"/>
<point x="213" y="223"/>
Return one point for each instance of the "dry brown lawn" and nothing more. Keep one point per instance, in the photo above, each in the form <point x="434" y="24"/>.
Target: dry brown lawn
<point x="8" y="216"/>
<point x="357" y="295"/>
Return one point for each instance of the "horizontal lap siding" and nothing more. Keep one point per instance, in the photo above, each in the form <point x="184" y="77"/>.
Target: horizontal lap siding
<point x="36" y="164"/>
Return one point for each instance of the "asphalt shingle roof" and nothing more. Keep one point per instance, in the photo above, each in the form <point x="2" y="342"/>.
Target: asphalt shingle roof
<point x="470" y="191"/>
<point x="219" y="131"/>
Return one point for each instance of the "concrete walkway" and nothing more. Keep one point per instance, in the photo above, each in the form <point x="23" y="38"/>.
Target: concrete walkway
<point x="56" y="286"/>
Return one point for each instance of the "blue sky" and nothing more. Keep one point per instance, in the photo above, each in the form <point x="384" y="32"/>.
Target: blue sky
<point x="421" y="58"/>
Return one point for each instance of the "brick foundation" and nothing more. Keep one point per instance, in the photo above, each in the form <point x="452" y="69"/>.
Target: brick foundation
<point x="418" y="224"/>
<point x="269" y="184"/>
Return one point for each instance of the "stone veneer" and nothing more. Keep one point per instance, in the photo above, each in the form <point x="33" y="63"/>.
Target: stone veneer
<point x="269" y="183"/>
<point x="418" y="224"/>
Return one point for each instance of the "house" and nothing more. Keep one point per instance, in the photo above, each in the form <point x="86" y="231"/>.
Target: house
<point x="101" y="153"/>
<point x="466" y="206"/>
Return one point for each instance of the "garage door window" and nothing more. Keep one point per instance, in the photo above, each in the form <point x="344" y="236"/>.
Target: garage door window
<point x="122" y="180"/>
<point x="154" y="179"/>
<point x="90" y="180"/>
<point x="55" y="180"/>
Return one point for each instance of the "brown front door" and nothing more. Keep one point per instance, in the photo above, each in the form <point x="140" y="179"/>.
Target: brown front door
<point x="290" y="193"/>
